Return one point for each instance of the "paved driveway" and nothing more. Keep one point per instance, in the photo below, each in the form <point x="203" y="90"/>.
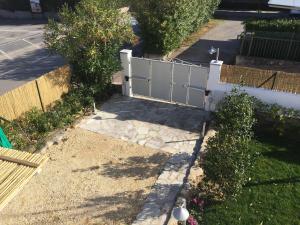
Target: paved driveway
<point x="159" y="125"/>
<point x="23" y="56"/>
<point x="163" y="127"/>
<point x="223" y="36"/>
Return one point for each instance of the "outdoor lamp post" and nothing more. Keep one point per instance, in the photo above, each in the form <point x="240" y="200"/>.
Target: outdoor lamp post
<point x="181" y="215"/>
<point x="213" y="50"/>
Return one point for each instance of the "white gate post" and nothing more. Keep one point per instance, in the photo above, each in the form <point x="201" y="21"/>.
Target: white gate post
<point x="212" y="85"/>
<point x="126" y="56"/>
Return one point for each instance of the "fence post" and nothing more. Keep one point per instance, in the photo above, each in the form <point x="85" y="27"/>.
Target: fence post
<point x="290" y="46"/>
<point x="40" y="96"/>
<point x="212" y="85"/>
<point x="242" y="45"/>
<point x="250" y="47"/>
<point x="126" y="56"/>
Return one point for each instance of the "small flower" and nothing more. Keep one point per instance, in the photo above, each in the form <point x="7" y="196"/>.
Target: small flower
<point x="192" y="221"/>
<point x="11" y="129"/>
<point x="198" y="202"/>
<point x="195" y="201"/>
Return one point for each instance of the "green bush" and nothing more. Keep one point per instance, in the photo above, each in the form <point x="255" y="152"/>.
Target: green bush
<point x="273" y="25"/>
<point x="33" y="127"/>
<point x="90" y="37"/>
<point x="166" y="23"/>
<point x="280" y="120"/>
<point x="228" y="157"/>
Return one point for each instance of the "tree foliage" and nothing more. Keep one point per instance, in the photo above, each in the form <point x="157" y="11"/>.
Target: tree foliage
<point x="166" y="23"/>
<point x="90" y="37"/>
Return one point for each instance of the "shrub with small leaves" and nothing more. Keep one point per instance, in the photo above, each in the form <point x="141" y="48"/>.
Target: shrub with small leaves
<point x="228" y="156"/>
<point x="33" y="127"/>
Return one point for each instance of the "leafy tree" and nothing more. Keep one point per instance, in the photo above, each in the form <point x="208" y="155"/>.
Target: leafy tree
<point x="166" y="23"/>
<point x="90" y="37"/>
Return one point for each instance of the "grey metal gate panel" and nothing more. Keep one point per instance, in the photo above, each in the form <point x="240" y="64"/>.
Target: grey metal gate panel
<point x="199" y="77"/>
<point x="141" y="76"/>
<point x="161" y="80"/>
<point x="197" y="86"/>
<point x="180" y="80"/>
<point x="170" y="81"/>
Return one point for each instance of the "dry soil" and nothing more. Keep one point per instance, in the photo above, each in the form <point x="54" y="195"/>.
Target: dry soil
<point x="89" y="179"/>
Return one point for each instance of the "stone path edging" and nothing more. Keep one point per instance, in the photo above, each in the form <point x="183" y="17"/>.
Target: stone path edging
<point x="160" y="202"/>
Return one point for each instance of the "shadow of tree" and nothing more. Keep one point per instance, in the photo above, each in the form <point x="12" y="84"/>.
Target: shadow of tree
<point x="284" y="148"/>
<point x="120" y="208"/>
<point x="138" y="167"/>
<point x="155" y="112"/>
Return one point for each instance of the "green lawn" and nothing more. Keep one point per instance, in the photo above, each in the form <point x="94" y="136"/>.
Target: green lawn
<point x="272" y="197"/>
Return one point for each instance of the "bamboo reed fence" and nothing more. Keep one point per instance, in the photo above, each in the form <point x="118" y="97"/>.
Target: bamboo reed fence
<point x="39" y="93"/>
<point x="269" y="79"/>
<point x="16" y="169"/>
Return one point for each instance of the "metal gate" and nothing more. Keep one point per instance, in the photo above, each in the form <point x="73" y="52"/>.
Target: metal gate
<point x="169" y="81"/>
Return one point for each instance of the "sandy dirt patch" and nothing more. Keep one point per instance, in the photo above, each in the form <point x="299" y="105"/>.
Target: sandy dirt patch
<point x="89" y="179"/>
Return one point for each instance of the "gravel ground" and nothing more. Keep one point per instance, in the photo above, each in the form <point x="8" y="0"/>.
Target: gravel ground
<point x="89" y="179"/>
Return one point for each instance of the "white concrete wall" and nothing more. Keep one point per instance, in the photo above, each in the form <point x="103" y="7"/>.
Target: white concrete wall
<point x="218" y="90"/>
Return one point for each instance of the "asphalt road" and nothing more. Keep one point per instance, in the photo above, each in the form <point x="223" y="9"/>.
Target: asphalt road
<point x="223" y="36"/>
<point x="23" y="56"/>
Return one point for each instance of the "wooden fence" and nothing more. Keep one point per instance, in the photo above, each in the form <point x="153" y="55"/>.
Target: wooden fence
<point x="266" y="47"/>
<point x="39" y="93"/>
<point x="274" y="80"/>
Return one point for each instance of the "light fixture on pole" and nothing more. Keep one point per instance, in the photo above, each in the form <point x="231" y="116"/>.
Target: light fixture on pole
<point x="181" y="214"/>
<point x="213" y="50"/>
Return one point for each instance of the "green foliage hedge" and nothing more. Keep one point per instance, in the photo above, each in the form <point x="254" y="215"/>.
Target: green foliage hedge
<point x="33" y="127"/>
<point x="228" y="156"/>
<point x="166" y="23"/>
<point x="273" y="25"/>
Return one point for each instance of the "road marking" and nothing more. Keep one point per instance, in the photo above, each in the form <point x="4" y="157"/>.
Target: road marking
<point x="34" y="45"/>
<point x="6" y="72"/>
<point x="21" y="39"/>
<point x="6" y="55"/>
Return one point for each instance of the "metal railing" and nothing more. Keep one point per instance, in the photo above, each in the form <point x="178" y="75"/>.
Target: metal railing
<point x="267" y="47"/>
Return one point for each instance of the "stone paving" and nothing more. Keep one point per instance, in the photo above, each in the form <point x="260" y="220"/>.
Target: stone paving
<point x="162" y="126"/>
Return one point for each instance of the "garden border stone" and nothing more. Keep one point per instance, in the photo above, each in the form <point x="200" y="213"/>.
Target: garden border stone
<point x="195" y="174"/>
<point x="169" y="186"/>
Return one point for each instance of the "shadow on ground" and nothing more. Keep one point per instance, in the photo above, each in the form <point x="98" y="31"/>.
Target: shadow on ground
<point x="137" y="167"/>
<point x="155" y="112"/>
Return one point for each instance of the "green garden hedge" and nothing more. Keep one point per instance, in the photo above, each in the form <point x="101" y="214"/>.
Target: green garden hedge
<point x="273" y="25"/>
<point x="166" y="23"/>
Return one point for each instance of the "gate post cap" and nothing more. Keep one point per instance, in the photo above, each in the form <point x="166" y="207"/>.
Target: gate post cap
<point x="215" y="62"/>
<point x="126" y="51"/>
